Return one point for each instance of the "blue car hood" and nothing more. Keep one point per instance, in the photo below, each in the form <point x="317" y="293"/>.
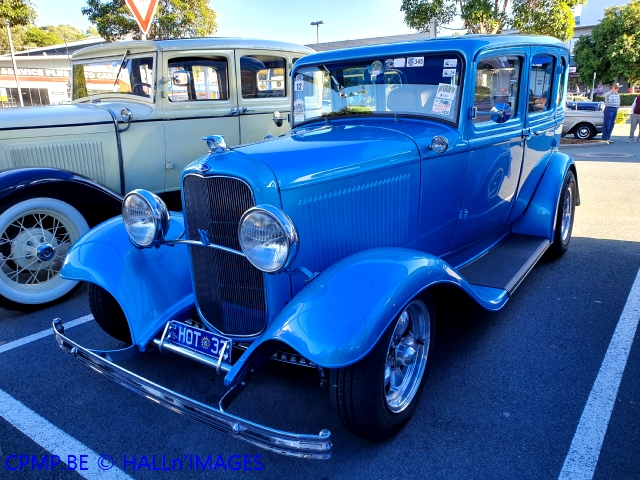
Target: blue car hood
<point x="308" y="156"/>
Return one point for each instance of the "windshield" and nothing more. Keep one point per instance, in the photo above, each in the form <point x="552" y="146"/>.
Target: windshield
<point x="426" y="85"/>
<point x="105" y="76"/>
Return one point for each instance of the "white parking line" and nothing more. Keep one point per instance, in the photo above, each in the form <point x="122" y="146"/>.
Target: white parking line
<point x="585" y="448"/>
<point x="45" y="333"/>
<point x="55" y="441"/>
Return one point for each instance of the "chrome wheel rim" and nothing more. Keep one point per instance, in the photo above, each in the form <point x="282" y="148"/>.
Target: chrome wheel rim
<point x="33" y="246"/>
<point x="584" y="132"/>
<point x="407" y="356"/>
<point x="567" y="211"/>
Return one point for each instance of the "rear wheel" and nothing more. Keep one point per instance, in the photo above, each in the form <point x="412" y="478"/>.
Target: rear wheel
<point x="108" y="314"/>
<point x="378" y="395"/>
<point x="584" y="131"/>
<point x="564" y="217"/>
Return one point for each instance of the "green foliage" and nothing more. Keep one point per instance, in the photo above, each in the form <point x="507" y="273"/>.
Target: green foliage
<point x="16" y="12"/>
<point x="626" y="99"/>
<point x="39" y="37"/>
<point x="67" y="32"/>
<point x="613" y="48"/>
<point x="173" y="19"/>
<point x="350" y="110"/>
<point x="544" y="17"/>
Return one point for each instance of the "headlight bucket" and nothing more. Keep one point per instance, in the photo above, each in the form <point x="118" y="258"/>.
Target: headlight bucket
<point x="145" y="217"/>
<point x="268" y="238"/>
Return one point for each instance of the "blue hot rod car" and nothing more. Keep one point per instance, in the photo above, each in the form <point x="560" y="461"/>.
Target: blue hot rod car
<point x="408" y="166"/>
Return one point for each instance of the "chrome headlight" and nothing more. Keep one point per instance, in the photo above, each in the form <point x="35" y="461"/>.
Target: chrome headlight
<point x="268" y="238"/>
<point x="146" y="218"/>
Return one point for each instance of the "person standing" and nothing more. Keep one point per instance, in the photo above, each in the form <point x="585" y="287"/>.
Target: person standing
<point x="635" y="118"/>
<point x="611" y="105"/>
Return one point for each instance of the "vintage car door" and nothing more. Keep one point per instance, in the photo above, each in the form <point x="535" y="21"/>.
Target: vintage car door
<point x="263" y="88"/>
<point x="541" y="122"/>
<point x="199" y="99"/>
<point x="495" y="144"/>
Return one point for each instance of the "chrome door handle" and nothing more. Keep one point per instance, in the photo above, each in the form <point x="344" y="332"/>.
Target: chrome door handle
<point x="245" y="110"/>
<point x="234" y="111"/>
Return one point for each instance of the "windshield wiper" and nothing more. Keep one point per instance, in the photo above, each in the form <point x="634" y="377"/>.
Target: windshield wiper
<point x="340" y="87"/>
<point x="123" y="62"/>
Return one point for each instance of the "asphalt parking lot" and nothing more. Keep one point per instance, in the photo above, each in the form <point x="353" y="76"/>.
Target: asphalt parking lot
<point x="514" y="394"/>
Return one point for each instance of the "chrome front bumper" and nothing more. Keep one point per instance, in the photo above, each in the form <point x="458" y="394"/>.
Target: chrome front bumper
<point x="285" y="443"/>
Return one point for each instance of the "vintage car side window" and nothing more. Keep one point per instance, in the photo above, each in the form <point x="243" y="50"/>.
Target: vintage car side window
<point x="263" y="76"/>
<point x="422" y="85"/>
<point x="540" y="83"/>
<point x="133" y="76"/>
<point x="497" y="81"/>
<point x="198" y="79"/>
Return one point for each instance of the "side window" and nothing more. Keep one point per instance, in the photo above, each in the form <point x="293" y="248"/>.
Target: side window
<point x="263" y="76"/>
<point x="540" y="83"/>
<point x="198" y="79"/>
<point x="497" y="81"/>
<point x="561" y="80"/>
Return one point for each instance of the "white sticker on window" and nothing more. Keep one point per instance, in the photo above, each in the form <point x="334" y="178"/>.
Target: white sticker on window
<point x="398" y="62"/>
<point x="446" y="91"/>
<point x="389" y="63"/>
<point x="449" y="72"/>
<point x="298" y="111"/>
<point x="441" y="106"/>
<point x="450" y="62"/>
<point x="299" y="83"/>
<point x="415" y="61"/>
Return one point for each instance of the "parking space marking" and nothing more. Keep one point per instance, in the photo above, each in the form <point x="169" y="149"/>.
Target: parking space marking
<point x="585" y="448"/>
<point x="54" y="440"/>
<point x="45" y="333"/>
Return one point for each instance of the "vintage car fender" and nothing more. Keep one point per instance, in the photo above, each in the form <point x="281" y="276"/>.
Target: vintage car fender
<point x="539" y="217"/>
<point x="152" y="285"/>
<point x="339" y="317"/>
<point x="95" y="202"/>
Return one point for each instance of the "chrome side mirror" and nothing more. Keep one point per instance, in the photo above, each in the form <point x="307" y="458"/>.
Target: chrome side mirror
<point x="125" y="115"/>
<point x="181" y="78"/>
<point x="277" y="118"/>
<point x="501" y="112"/>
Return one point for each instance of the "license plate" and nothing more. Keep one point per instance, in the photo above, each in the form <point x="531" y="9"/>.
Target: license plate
<point x="198" y="340"/>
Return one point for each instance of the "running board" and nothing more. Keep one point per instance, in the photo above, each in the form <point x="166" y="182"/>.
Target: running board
<point x="507" y="264"/>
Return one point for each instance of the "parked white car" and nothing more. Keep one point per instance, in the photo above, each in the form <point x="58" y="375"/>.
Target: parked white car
<point x="138" y="112"/>
<point x="584" y="124"/>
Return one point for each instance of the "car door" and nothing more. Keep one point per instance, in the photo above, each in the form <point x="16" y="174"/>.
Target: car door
<point x="541" y="121"/>
<point x="495" y="144"/>
<point x="199" y="99"/>
<point x="263" y="88"/>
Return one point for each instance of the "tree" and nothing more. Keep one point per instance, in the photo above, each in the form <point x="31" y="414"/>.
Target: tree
<point x="547" y="17"/>
<point x="39" y="37"/>
<point x="16" y="12"/>
<point x="66" y="32"/>
<point x="173" y="19"/>
<point x="613" y="47"/>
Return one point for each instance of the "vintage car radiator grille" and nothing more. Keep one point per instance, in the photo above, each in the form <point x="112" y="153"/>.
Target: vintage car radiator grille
<point x="229" y="290"/>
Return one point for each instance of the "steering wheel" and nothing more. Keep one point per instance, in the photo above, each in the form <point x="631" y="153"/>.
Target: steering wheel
<point x="138" y="89"/>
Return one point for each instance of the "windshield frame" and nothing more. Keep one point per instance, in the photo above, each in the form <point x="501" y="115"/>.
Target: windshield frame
<point x="459" y="55"/>
<point x="117" y="58"/>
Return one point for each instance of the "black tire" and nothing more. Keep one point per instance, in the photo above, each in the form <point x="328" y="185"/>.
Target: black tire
<point x="108" y="314"/>
<point x="584" y="131"/>
<point x="567" y="195"/>
<point x="359" y="394"/>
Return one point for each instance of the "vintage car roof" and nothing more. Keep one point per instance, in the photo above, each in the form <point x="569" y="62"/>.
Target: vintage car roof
<point x="467" y="44"/>
<point x="140" y="46"/>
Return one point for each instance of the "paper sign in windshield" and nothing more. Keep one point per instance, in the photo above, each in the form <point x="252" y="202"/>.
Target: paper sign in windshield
<point x="398" y="62"/>
<point x="415" y="61"/>
<point x="449" y="72"/>
<point x="299" y="83"/>
<point x="441" y="106"/>
<point x="298" y="111"/>
<point x="446" y="91"/>
<point x="450" y="62"/>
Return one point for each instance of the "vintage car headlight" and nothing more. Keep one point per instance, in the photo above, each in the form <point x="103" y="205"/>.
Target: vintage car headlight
<point x="268" y="238"/>
<point x="146" y="217"/>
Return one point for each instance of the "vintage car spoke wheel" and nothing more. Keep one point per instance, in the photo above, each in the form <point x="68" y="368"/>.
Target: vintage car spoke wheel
<point x="584" y="131"/>
<point x="565" y="217"/>
<point x="108" y="314"/>
<point x="35" y="236"/>
<point x="378" y="395"/>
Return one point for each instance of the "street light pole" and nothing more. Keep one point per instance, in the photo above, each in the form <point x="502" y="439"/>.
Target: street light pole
<point x="15" y="68"/>
<point x="593" y="85"/>
<point x="317" y="25"/>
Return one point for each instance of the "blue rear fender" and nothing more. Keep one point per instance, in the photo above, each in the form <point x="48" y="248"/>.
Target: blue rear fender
<point x="539" y="217"/>
<point x="339" y="317"/>
<point x="152" y="285"/>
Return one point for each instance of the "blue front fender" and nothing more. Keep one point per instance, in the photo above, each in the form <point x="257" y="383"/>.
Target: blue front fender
<point x="152" y="285"/>
<point x="339" y="317"/>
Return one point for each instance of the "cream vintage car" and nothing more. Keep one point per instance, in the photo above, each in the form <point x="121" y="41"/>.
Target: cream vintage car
<point x="139" y="110"/>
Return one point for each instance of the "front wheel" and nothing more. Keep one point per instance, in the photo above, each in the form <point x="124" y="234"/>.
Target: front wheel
<point x="378" y="395"/>
<point x="565" y="217"/>
<point x="35" y="236"/>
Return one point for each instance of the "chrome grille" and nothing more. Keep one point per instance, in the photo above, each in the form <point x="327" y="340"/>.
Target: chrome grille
<point x="229" y="290"/>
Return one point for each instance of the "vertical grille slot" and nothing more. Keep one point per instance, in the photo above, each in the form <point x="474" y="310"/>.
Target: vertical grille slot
<point x="229" y="290"/>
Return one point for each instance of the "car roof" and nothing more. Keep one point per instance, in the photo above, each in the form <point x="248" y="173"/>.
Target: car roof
<point x="467" y="45"/>
<point x="144" y="46"/>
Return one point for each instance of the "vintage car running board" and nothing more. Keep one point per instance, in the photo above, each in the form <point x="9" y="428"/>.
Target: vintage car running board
<point x="286" y="443"/>
<point x="507" y="264"/>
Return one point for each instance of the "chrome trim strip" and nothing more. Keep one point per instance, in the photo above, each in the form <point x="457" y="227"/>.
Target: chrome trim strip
<point x="277" y="441"/>
<point x="527" y="267"/>
<point x="195" y="243"/>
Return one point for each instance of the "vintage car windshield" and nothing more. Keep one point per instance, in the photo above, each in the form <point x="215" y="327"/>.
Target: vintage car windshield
<point x="425" y="85"/>
<point x="136" y="77"/>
